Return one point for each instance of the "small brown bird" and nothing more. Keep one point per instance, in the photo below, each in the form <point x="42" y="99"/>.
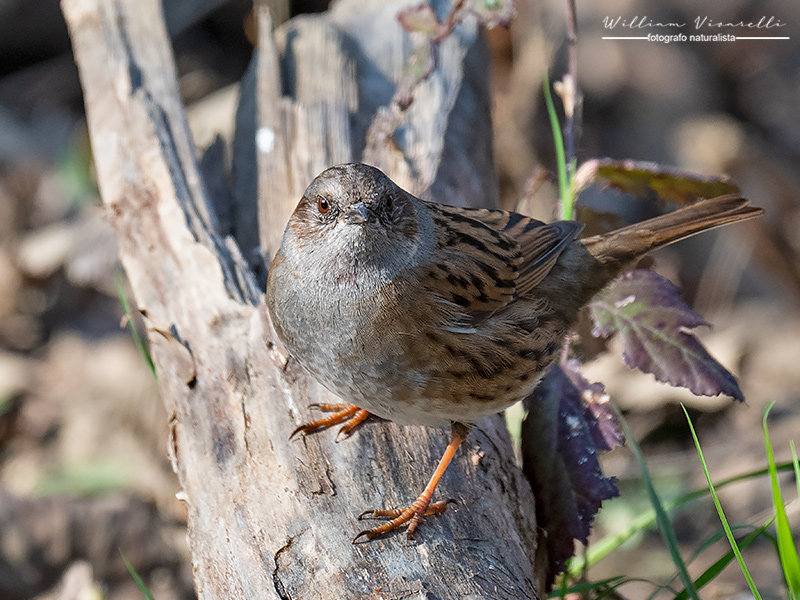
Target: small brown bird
<point x="423" y="313"/>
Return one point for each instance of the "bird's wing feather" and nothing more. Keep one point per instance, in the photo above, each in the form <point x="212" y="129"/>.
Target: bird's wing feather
<point x="488" y="258"/>
<point x="541" y="245"/>
<point x="474" y="266"/>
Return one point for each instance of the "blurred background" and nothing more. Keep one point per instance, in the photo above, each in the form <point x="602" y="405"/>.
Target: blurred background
<point x="84" y="475"/>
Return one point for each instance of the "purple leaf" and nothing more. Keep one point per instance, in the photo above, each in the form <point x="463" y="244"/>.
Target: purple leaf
<point x="641" y="178"/>
<point x="597" y="410"/>
<point x="648" y="313"/>
<point x="420" y="19"/>
<point x="559" y="458"/>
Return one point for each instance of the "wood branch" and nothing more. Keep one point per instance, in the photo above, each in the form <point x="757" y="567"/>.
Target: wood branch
<point x="269" y="517"/>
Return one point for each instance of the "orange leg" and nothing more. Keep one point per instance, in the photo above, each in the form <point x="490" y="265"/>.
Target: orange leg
<point x="422" y="506"/>
<point x="349" y="414"/>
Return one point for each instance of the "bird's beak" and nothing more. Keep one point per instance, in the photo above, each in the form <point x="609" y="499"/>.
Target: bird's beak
<point x="356" y="214"/>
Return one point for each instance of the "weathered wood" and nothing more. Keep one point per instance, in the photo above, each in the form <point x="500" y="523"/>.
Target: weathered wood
<point x="269" y="517"/>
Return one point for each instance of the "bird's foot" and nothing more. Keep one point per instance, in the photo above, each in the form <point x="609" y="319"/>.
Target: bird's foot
<point x="349" y="414"/>
<point x="413" y="515"/>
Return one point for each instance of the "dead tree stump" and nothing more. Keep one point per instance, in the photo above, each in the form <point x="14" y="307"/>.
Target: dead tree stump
<point x="269" y="517"/>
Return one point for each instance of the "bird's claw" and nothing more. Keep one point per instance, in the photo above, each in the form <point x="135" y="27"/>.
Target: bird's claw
<point x="349" y="414"/>
<point x="412" y="515"/>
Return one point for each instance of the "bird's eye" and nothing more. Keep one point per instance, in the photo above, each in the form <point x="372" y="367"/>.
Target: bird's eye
<point x="390" y="202"/>
<point x="322" y="204"/>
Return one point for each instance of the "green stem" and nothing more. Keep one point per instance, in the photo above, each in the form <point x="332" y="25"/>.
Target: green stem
<point x="564" y="183"/>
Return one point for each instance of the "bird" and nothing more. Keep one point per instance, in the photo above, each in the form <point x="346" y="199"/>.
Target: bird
<point x="426" y="314"/>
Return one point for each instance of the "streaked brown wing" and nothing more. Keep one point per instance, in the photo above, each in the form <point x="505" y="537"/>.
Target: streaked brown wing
<point x="487" y="258"/>
<point x="474" y="266"/>
<point x="541" y="247"/>
<point x="540" y="243"/>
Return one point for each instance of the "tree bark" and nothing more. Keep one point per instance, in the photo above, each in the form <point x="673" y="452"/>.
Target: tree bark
<point x="269" y="517"/>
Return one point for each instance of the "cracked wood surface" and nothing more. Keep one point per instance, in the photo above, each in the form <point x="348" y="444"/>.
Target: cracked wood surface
<point x="269" y="517"/>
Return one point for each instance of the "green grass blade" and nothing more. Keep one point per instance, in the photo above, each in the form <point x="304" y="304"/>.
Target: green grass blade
<point x="138" y="580"/>
<point x="790" y="561"/>
<point x="657" y="588"/>
<point x="719" y="535"/>
<point x="711" y="572"/>
<point x="6" y="403"/>
<point x="126" y="309"/>
<point x="562" y="592"/>
<point x="720" y="512"/>
<point x="583" y="587"/>
<point x="603" y="587"/>
<point x="662" y="520"/>
<point x="796" y="465"/>
<point x="607" y="544"/>
<point x="89" y="477"/>
<point x="722" y="562"/>
<point x="564" y="184"/>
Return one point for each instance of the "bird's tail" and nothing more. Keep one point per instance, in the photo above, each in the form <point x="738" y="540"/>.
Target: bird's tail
<point x="610" y="254"/>
<point x="626" y="245"/>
